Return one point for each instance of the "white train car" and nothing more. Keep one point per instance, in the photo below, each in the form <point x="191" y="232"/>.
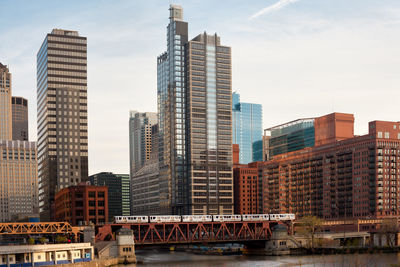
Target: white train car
<point x="165" y="218"/>
<point x="196" y="218"/>
<point x="255" y="217"/>
<point x="131" y="219"/>
<point x="227" y="218"/>
<point x="281" y="217"/>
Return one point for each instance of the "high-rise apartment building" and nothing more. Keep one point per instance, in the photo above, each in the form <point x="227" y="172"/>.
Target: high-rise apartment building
<point x="247" y="129"/>
<point x="61" y="115"/>
<point x="343" y="177"/>
<point x="140" y="144"/>
<point x="195" y="117"/>
<point x="302" y="133"/>
<point x="18" y="179"/>
<point x="118" y="192"/>
<point x="5" y="103"/>
<point x="20" y="118"/>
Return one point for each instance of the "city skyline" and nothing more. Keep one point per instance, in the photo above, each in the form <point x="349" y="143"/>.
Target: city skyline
<point x="335" y="73"/>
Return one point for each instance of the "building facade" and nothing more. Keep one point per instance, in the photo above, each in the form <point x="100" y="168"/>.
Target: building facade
<point x="345" y="177"/>
<point x="145" y="191"/>
<point x="20" y="130"/>
<point x="18" y="179"/>
<point x="247" y="186"/>
<point x="140" y="144"/>
<point x="5" y="103"/>
<point x="195" y="116"/>
<point x="61" y="115"/>
<point x="118" y="192"/>
<point x="82" y="204"/>
<point x="247" y="129"/>
<point x="291" y="136"/>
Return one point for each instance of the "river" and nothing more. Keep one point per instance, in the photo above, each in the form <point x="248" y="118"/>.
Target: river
<point x="174" y="259"/>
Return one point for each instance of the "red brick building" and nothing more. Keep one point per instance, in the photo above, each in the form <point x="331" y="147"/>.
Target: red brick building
<point x="247" y="185"/>
<point x="342" y="176"/>
<point x="82" y="204"/>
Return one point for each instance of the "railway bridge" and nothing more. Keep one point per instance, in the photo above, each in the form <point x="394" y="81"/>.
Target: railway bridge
<point x="192" y="232"/>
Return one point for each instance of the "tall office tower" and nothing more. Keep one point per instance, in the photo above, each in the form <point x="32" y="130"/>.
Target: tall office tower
<point x="118" y="192"/>
<point x="20" y="118"/>
<point x="61" y="115"/>
<point x="18" y="179"/>
<point x="140" y="138"/>
<point x="195" y="138"/>
<point x="5" y="103"/>
<point x="247" y="129"/>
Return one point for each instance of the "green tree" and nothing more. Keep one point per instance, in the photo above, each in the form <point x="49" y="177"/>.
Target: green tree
<point x="31" y="241"/>
<point x="389" y="228"/>
<point x="61" y="239"/>
<point x="308" y="227"/>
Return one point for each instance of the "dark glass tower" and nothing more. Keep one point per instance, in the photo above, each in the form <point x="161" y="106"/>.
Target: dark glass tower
<point x="61" y="115"/>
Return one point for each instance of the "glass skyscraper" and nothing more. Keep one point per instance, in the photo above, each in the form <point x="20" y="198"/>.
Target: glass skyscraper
<point x="194" y="107"/>
<point x="291" y="136"/>
<point x="247" y="130"/>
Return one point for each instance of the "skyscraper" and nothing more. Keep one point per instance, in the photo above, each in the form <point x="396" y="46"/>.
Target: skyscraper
<point x="118" y="192"/>
<point x="247" y="129"/>
<point x="18" y="158"/>
<point x="61" y="115"/>
<point x="140" y="138"/>
<point x="5" y="103"/>
<point x="195" y="139"/>
<point x="20" y="118"/>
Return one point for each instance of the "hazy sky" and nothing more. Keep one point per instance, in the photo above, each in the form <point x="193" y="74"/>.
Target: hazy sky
<point x="298" y="58"/>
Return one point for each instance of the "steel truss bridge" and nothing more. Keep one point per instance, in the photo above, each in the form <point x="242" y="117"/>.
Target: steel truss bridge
<point x="30" y="228"/>
<point x="190" y="232"/>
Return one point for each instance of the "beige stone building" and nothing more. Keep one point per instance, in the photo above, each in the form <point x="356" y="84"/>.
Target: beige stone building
<point x="18" y="179"/>
<point x="5" y="104"/>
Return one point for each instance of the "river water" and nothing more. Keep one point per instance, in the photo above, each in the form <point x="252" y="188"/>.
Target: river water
<point x="173" y="259"/>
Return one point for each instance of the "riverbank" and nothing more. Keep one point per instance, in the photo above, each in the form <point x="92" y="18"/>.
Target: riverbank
<point x="155" y="258"/>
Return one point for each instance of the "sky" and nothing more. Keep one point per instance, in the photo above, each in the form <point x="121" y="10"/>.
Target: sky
<point x="298" y="58"/>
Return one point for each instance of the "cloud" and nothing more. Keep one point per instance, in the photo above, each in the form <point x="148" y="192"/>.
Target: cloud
<point x="278" y="5"/>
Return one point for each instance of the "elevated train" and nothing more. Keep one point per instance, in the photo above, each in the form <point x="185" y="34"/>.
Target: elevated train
<point x="203" y="218"/>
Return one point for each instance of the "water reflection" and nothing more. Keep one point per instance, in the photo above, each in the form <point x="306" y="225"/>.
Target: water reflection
<point x="156" y="258"/>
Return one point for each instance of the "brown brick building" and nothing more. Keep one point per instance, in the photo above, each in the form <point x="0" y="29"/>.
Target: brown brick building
<point x="342" y="176"/>
<point x="247" y="182"/>
<point x="246" y="188"/>
<point x="82" y="204"/>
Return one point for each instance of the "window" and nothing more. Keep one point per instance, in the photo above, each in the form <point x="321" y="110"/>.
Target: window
<point x="92" y="194"/>
<point x="386" y="135"/>
<point x="92" y="203"/>
<point x="380" y="135"/>
<point x="100" y="194"/>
